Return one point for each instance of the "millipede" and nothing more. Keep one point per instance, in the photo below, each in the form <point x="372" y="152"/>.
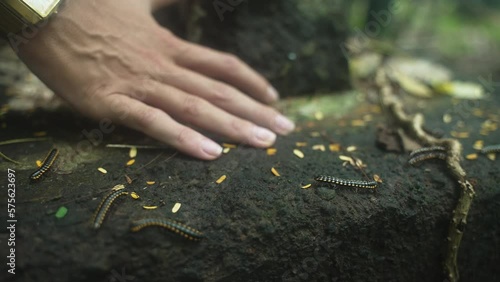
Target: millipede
<point x="491" y="149"/>
<point x="171" y="225"/>
<point x="46" y="165"/>
<point x="347" y="182"/>
<point x="427" y="150"/>
<point x="427" y="156"/>
<point x="104" y="206"/>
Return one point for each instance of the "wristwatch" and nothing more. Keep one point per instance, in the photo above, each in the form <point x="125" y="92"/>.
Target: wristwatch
<point x="18" y="14"/>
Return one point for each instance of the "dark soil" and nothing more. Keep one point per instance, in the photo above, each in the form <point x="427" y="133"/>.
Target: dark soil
<point x="258" y="227"/>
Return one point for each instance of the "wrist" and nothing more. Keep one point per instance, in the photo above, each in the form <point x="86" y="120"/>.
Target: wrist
<point x="18" y="15"/>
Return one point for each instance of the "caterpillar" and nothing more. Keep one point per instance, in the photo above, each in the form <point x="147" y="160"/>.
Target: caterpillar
<point x="347" y="182"/>
<point x="174" y="226"/>
<point x="47" y="163"/>
<point x="427" y="156"/>
<point x="427" y="150"/>
<point x="491" y="149"/>
<point x="104" y="206"/>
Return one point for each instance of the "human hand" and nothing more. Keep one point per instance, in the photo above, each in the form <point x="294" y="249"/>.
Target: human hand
<point x="109" y="59"/>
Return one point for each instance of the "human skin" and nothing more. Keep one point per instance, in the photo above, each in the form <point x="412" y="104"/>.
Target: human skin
<point x="110" y="59"/>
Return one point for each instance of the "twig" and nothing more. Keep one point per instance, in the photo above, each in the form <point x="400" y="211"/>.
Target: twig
<point x="136" y="146"/>
<point x="23" y="140"/>
<point x="8" y="159"/>
<point x="413" y="126"/>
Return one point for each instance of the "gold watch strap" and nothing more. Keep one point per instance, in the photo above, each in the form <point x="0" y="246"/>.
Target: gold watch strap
<point x="18" y="14"/>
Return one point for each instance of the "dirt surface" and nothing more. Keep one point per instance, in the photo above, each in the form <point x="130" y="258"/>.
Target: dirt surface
<point x="258" y="227"/>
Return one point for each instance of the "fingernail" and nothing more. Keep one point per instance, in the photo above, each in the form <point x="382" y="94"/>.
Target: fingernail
<point x="264" y="136"/>
<point x="283" y="125"/>
<point x="211" y="148"/>
<point x="271" y="91"/>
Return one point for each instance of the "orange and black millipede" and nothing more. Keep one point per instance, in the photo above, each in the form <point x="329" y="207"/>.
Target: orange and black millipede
<point x="104" y="206"/>
<point x="47" y="163"/>
<point x="174" y="226"/>
<point x="347" y="182"/>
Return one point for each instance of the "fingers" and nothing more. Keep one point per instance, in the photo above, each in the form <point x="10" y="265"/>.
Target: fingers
<point x="230" y="99"/>
<point x="227" y="68"/>
<point x="157" y="124"/>
<point x="193" y="110"/>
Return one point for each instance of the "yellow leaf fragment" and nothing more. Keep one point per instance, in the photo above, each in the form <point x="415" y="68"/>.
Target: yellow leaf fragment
<point x="149" y="207"/>
<point x="447" y="118"/>
<point x="133" y="152"/>
<point x="271" y="151"/>
<point x="460" y="134"/>
<point x="491" y="156"/>
<point x="134" y="195"/>
<point x="150" y="182"/>
<point x="377" y="178"/>
<point x="221" y="179"/>
<point x="102" y="170"/>
<point x="275" y="172"/>
<point x="128" y="179"/>
<point x="334" y="147"/>
<point x="351" y="149"/>
<point x="38" y="163"/>
<point x="478" y="145"/>
<point x="229" y="145"/>
<point x="118" y="187"/>
<point x="319" y="147"/>
<point x="307" y="186"/>
<point x="300" y="144"/>
<point x="176" y="207"/>
<point x="226" y="150"/>
<point x="130" y="162"/>
<point x="471" y="156"/>
<point x="315" y="134"/>
<point x="298" y="153"/>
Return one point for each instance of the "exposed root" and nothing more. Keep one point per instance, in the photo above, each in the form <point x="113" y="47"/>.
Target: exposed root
<point x="413" y="126"/>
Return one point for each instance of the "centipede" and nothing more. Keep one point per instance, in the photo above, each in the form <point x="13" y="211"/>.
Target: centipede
<point x="46" y="165"/>
<point x="104" y="206"/>
<point x="427" y="150"/>
<point x="491" y="149"/>
<point x="427" y="156"/>
<point x="347" y="182"/>
<point x="171" y="225"/>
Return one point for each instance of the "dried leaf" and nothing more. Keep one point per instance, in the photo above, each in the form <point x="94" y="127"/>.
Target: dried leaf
<point x="298" y="153"/>
<point x="229" y="145"/>
<point x="118" y="187"/>
<point x="130" y="162"/>
<point x="334" y="147"/>
<point x="226" y="150"/>
<point x="176" y="207"/>
<point x="149" y="207"/>
<point x="351" y="149"/>
<point x="134" y="195"/>
<point x="275" y="172"/>
<point x="471" y="156"/>
<point x="319" y="147"/>
<point x="102" y="170"/>
<point x="221" y="179"/>
<point x="271" y="151"/>
<point x="307" y="186"/>
<point x="300" y="144"/>
<point x="133" y="152"/>
<point x="150" y="182"/>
